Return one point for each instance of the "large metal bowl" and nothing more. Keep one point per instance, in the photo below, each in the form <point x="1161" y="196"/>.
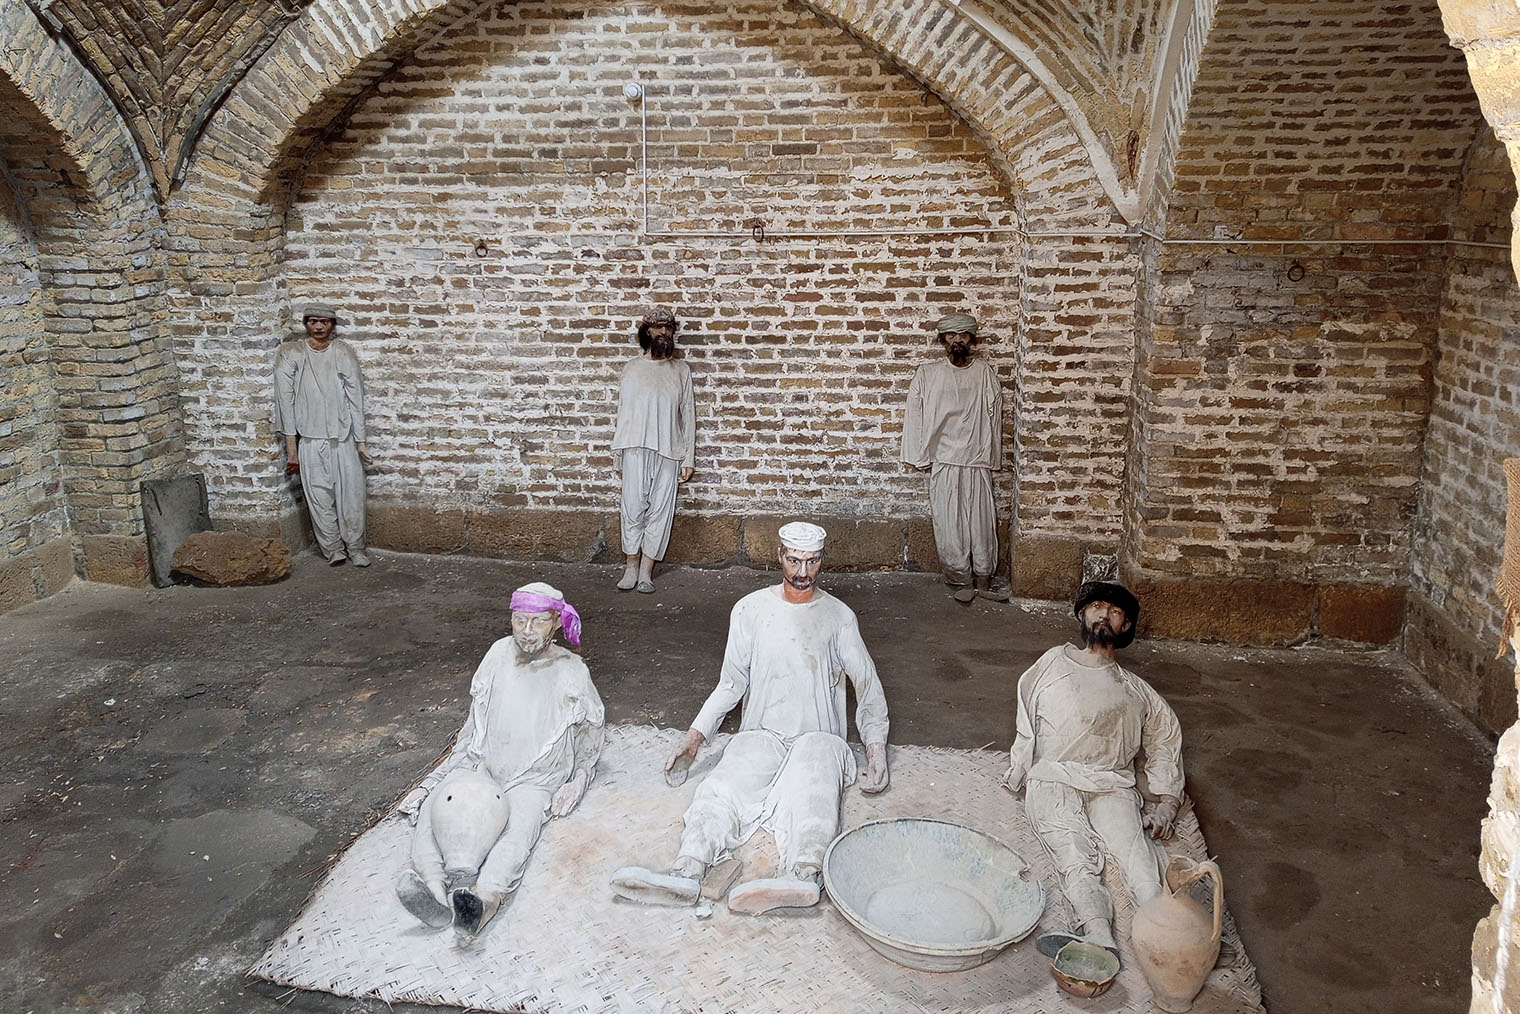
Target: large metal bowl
<point x="931" y="894"/>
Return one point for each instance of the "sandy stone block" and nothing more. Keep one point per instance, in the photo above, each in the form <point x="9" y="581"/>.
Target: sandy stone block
<point x="116" y="559"/>
<point x="1447" y="656"/>
<point x="1236" y="612"/>
<point x="760" y="541"/>
<point x="412" y="529"/>
<point x="697" y="540"/>
<point x="693" y="539"/>
<point x="528" y="534"/>
<point x="1367" y="613"/>
<point x="17" y="585"/>
<point x="231" y="558"/>
<point x="1045" y="566"/>
<point x="923" y="553"/>
<point x="55" y="564"/>
<point x="856" y="544"/>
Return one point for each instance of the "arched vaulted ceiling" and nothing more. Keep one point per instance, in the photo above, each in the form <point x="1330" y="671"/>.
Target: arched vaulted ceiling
<point x="168" y="63"/>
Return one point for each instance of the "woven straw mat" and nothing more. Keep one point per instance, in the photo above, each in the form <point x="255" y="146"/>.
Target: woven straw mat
<point x="565" y="944"/>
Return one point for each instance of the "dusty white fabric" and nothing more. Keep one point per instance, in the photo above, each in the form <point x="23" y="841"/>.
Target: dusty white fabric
<point x="1077" y="736"/>
<point x="803" y="536"/>
<point x="319" y="398"/>
<point x="790" y="788"/>
<point x="332" y="480"/>
<point x="785" y="769"/>
<point x="532" y="726"/>
<point x="965" y="519"/>
<point x="650" y="482"/>
<point x="787" y="662"/>
<point x="1084" y="727"/>
<point x="655" y="410"/>
<point x="318" y="394"/>
<point x="954" y="417"/>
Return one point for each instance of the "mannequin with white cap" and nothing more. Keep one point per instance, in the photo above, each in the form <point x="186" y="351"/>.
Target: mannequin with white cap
<point x="527" y="752"/>
<point x="319" y="408"/>
<point x="790" y="647"/>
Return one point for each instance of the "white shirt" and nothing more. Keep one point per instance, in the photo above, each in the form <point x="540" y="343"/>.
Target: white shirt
<point x="1084" y="727"/>
<point x="787" y="662"/>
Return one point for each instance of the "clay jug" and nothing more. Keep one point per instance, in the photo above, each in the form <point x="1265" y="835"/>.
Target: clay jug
<point x="1175" y="941"/>
<point x="468" y="812"/>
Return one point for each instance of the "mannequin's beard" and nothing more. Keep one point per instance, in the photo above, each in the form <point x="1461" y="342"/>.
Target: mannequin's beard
<point x="661" y="350"/>
<point x="960" y="355"/>
<point x="1098" y="634"/>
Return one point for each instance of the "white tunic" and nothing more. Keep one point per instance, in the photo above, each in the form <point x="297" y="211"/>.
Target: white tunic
<point x="536" y="723"/>
<point x="318" y="394"/>
<point x="954" y="417"/>
<point x="1084" y="727"/>
<point x="655" y="410"/>
<point x="786" y="662"/>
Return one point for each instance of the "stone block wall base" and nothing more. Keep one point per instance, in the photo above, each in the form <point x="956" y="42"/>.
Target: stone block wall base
<point x="36" y="573"/>
<point x="1266" y="612"/>
<point x="1046" y="566"/>
<point x="116" y="559"/>
<point x="1460" y="666"/>
<point x="570" y="536"/>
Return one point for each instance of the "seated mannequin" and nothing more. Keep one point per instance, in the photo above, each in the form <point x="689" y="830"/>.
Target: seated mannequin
<point x="527" y="752"/>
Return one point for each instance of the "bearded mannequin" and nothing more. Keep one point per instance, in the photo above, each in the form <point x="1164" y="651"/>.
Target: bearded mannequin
<point x="1082" y="722"/>
<point x="654" y="446"/>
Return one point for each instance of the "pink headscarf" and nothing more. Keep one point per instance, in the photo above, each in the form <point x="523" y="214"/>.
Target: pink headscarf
<point x="542" y="598"/>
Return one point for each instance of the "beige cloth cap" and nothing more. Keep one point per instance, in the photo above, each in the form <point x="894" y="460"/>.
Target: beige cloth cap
<point x="957" y="322"/>
<point x="802" y="535"/>
<point x="319" y="310"/>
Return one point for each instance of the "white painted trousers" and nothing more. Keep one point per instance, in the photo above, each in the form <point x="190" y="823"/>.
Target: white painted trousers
<point x="332" y="477"/>
<point x="1071" y="825"/>
<point x="965" y="521"/>
<point x="791" y="790"/>
<point x="649" y="501"/>
<point x="501" y="866"/>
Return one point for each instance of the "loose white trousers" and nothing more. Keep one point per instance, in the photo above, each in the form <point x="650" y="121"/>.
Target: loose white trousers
<point x="965" y="521"/>
<point x="501" y="866"/>
<point x="649" y="501"/>
<point x="333" y="479"/>
<point x="1071" y="825"/>
<point x="791" y="790"/>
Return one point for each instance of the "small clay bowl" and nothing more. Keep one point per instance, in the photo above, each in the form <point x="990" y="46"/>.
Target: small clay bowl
<point x="1084" y="969"/>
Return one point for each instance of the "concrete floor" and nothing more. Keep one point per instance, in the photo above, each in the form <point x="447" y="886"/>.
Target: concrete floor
<point x="181" y="763"/>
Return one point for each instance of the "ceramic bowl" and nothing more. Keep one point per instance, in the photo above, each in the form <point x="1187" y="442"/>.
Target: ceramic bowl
<point x="931" y="894"/>
<point x="1084" y="969"/>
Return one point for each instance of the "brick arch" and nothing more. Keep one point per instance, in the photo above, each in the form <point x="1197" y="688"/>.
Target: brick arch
<point x="337" y="49"/>
<point x="1489" y="36"/>
<point x="229" y="224"/>
<point x="98" y="236"/>
<point x="81" y="119"/>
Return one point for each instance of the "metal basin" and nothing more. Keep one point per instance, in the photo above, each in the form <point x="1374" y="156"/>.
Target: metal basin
<point x="930" y="894"/>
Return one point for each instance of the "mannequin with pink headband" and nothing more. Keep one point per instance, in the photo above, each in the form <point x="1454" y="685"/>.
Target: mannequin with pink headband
<point x="527" y="752"/>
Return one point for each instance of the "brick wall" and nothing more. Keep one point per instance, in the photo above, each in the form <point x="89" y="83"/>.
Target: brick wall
<point x="98" y="238"/>
<point x="1474" y="426"/>
<point x="1280" y="417"/>
<point x="36" y="555"/>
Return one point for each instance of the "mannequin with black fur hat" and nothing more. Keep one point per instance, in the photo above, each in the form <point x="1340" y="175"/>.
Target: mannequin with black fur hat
<point x="1083" y="721"/>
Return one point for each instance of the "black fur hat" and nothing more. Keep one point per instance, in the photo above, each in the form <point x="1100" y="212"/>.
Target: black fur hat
<point x="1114" y="595"/>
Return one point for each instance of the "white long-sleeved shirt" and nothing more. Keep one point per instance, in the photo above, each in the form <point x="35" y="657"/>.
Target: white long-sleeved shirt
<point x="318" y="394"/>
<point x="1084" y="727"/>
<point x="536" y="723"/>
<point x="787" y="662"/>
<point x="954" y="417"/>
<point x="655" y="410"/>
